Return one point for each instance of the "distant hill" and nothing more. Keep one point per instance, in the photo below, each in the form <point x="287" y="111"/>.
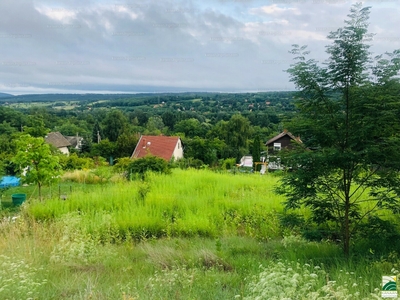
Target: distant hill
<point x="116" y="97"/>
<point x="4" y="95"/>
<point x="93" y="97"/>
<point x="68" y="97"/>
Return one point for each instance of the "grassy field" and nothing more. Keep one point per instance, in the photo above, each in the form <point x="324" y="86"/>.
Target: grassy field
<point x="194" y="234"/>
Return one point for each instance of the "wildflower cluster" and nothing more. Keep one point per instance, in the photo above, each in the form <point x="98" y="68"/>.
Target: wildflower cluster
<point x="75" y="245"/>
<point x="291" y="280"/>
<point x="18" y="279"/>
<point x="168" y="281"/>
<point x="291" y="240"/>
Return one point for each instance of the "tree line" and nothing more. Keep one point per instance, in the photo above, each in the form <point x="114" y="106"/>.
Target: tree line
<point x="213" y="127"/>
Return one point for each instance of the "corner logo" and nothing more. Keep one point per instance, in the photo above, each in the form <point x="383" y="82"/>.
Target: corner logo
<point x="389" y="287"/>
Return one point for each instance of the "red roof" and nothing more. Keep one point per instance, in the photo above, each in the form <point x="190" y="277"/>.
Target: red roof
<point x="160" y="146"/>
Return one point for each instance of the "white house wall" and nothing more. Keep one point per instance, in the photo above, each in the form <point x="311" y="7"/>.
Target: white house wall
<point x="178" y="151"/>
<point x="64" y="150"/>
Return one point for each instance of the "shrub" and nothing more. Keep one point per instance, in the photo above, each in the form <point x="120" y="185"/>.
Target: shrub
<point x="148" y="163"/>
<point x="228" y="163"/>
<point x="103" y="173"/>
<point x="122" y="164"/>
<point x="291" y="221"/>
<point x="189" y="162"/>
<point x="377" y="235"/>
<point x="74" y="162"/>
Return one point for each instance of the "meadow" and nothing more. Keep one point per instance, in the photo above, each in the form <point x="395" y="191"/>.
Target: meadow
<point x="193" y="234"/>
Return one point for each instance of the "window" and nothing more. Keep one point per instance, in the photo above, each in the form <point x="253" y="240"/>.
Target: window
<point x="277" y="146"/>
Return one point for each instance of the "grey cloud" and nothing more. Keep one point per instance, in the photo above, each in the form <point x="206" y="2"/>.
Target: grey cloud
<point x="143" y="46"/>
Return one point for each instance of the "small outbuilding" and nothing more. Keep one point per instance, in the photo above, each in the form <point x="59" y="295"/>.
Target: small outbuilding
<point x="246" y="161"/>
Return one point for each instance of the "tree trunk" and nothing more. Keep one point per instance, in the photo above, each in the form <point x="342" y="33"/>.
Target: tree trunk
<point x="40" y="191"/>
<point x="347" y="175"/>
<point x="346" y="229"/>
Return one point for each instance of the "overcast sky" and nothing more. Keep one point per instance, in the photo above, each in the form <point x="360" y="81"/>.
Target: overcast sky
<point x="118" y="46"/>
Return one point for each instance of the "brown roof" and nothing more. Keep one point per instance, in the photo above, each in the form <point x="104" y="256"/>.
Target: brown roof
<point x="74" y="140"/>
<point x="281" y="135"/>
<point x="160" y="146"/>
<point x="57" y="140"/>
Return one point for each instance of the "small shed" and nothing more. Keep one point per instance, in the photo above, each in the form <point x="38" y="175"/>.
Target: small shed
<point x="246" y="161"/>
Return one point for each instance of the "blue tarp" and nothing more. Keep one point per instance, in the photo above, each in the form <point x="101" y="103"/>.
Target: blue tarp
<point x="9" y="181"/>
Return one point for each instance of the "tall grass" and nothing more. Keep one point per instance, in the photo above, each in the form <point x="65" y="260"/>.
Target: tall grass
<point x="186" y="203"/>
<point x="191" y="235"/>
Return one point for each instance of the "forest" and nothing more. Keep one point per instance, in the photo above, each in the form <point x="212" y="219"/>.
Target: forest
<point x="212" y="126"/>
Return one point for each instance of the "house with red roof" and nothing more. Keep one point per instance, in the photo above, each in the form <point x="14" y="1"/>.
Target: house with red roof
<point x="166" y="147"/>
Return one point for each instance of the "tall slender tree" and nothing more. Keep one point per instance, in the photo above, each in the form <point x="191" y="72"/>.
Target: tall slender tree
<point x="256" y="151"/>
<point x="348" y="118"/>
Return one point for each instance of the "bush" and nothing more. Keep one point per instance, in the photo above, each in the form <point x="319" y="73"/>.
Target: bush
<point x="122" y="164"/>
<point x="377" y="235"/>
<point x="185" y="163"/>
<point x="74" y="162"/>
<point x="228" y="163"/>
<point x="291" y="222"/>
<point x="145" y="164"/>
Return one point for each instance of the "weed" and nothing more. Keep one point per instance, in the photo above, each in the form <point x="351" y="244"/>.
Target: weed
<point x="75" y="246"/>
<point x="292" y="280"/>
<point x="18" y="279"/>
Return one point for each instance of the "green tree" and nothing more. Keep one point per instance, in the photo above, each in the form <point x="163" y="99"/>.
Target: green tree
<point x="169" y="118"/>
<point x="36" y="162"/>
<point x="348" y="118"/>
<point x="190" y="127"/>
<point x="256" y="151"/>
<point x="36" y="126"/>
<point x="68" y="128"/>
<point x="126" y="143"/>
<point x="208" y="151"/>
<point x="6" y="128"/>
<point x="105" y="149"/>
<point x="9" y="115"/>
<point x="155" y="125"/>
<point x="238" y="133"/>
<point x="114" y="124"/>
<point x="235" y="133"/>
